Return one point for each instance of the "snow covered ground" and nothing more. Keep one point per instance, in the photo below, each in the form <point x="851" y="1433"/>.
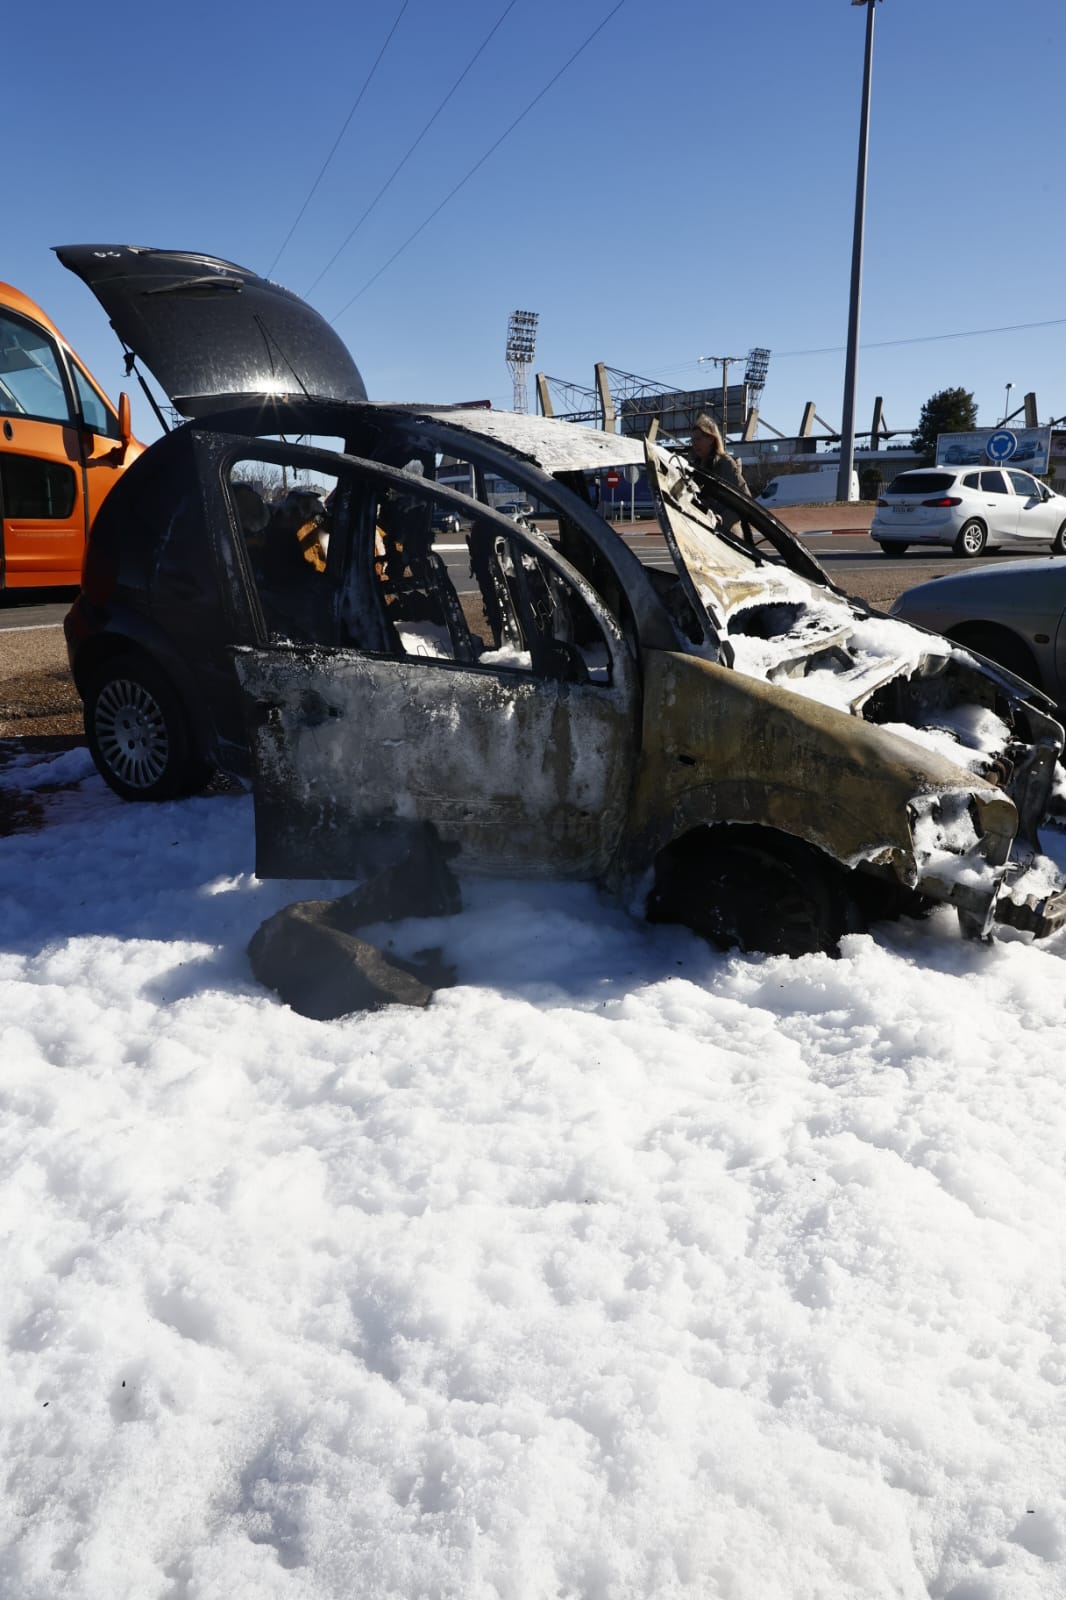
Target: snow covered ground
<point x="626" y="1269"/>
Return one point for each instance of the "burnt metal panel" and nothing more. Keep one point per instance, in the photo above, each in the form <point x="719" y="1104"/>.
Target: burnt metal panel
<point x="525" y="777"/>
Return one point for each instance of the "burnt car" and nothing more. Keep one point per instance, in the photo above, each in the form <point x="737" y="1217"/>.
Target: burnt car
<point x="731" y="743"/>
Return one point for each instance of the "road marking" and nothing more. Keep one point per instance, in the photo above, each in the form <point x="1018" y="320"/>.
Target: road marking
<point x="31" y="627"/>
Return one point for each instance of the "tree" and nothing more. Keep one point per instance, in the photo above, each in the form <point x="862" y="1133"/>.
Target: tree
<point x="947" y="411"/>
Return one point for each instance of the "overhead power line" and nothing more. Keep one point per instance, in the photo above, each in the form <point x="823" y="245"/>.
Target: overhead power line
<point x="885" y="344"/>
<point x="928" y="338"/>
<point x="537" y="98"/>
<point x="404" y="160"/>
<point x="340" y="136"/>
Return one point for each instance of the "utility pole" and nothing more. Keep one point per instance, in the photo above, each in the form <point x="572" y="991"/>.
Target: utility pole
<point x="847" y="429"/>
<point x="725" y="362"/>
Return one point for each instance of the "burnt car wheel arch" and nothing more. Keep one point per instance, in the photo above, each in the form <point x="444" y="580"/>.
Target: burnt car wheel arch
<point x="139" y="732"/>
<point x="756" y="889"/>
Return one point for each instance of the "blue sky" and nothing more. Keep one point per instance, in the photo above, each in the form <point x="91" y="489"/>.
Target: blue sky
<point x="685" y="188"/>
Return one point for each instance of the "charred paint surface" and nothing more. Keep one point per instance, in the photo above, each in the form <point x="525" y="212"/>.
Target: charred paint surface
<point x="525" y="777"/>
<point x="721" y="747"/>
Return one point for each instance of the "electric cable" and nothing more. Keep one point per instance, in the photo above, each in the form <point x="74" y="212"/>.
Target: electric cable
<point x="885" y="344"/>
<point x="355" y="106"/>
<point x="479" y="163"/>
<point x="404" y="160"/>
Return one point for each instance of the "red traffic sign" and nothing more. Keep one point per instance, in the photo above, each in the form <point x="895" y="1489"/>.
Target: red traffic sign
<point x="613" y="479"/>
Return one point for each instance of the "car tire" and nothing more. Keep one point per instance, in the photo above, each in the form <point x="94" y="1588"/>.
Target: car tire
<point x="896" y="548"/>
<point x="971" y="540"/>
<point x="1058" y="544"/>
<point x="764" y="892"/>
<point x="138" y="732"/>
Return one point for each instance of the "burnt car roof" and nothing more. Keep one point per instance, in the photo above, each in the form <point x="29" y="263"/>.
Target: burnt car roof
<point x="213" y="333"/>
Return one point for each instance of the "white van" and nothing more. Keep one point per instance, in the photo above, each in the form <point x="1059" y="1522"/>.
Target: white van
<point x="804" y="488"/>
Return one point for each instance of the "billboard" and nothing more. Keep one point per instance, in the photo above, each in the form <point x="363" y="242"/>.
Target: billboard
<point x="677" y="410"/>
<point x="1026" y="447"/>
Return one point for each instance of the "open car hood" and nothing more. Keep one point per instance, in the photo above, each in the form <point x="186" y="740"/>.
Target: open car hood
<point x="213" y="334"/>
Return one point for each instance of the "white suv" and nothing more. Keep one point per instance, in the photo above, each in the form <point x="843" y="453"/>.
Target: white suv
<point x="969" y="508"/>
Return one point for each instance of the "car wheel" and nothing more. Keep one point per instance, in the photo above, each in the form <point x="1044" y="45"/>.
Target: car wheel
<point x="896" y="548"/>
<point x="1058" y="544"/>
<point x="138" y="732"/>
<point x="765" y="892"/>
<point x="971" y="539"/>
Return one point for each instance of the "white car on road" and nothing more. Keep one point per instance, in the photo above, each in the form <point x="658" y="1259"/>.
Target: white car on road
<point x="969" y="508"/>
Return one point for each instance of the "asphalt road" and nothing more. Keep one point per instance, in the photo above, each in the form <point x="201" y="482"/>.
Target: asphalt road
<point x="848" y="558"/>
<point x="37" y="698"/>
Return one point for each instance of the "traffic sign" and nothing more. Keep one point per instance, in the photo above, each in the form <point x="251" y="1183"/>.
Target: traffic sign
<point x="1002" y="445"/>
<point x="612" y="479"/>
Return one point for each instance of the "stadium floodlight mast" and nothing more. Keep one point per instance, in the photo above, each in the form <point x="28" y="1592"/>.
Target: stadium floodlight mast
<point x="847" y="426"/>
<point x="521" y="343"/>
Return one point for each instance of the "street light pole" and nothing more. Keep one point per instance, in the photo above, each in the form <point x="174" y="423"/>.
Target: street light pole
<point x="847" y="429"/>
<point x="1006" y="403"/>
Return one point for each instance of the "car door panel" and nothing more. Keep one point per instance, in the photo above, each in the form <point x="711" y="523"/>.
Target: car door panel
<point x="523" y="776"/>
<point x="1001" y="507"/>
<point x="42" y="502"/>
<point x="1035" y="516"/>
<point x="510" y="725"/>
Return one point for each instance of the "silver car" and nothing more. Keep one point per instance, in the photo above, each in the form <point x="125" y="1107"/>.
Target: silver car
<point x="1014" y="612"/>
<point x="972" y="509"/>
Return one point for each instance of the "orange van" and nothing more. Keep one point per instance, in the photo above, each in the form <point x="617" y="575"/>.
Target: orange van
<point x="62" y="447"/>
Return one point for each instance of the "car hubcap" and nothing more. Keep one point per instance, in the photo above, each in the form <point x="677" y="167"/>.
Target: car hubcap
<point x="972" y="539"/>
<point x="131" y="733"/>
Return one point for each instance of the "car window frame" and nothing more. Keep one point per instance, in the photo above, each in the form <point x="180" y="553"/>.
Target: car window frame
<point x="72" y="418"/>
<point x="1030" y="489"/>
<point x="224" y="451"/>
<point x="1005" y="487"/>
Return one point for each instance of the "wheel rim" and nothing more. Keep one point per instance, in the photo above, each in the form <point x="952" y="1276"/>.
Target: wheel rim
<point x="132" y="733"/>
<point x="972" y="539"/>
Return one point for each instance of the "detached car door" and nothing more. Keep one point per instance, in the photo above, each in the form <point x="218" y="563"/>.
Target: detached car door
<point x="507" y="718"/>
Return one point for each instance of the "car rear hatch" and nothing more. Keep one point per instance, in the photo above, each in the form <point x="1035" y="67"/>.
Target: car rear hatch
<point x="917" y="501"/>
<point x="213" y="334"/>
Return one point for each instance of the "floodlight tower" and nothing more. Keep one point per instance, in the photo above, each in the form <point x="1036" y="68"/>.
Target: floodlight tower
<point x="521" y="342"/>
<point x="755" y="372"/>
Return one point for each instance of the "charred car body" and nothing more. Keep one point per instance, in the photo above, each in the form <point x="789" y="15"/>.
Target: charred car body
<point x="731" y="743"/>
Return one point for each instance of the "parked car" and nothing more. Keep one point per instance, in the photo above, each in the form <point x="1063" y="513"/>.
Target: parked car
<point x="812" y="487"/>
<point x="63" y="446"/>
<point x="732" y="743"/>
<point x="1013" y="612"/>
<point x="445" y="521"/>
<point x="520" y="510"/>
<point x="971" y="510"/>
